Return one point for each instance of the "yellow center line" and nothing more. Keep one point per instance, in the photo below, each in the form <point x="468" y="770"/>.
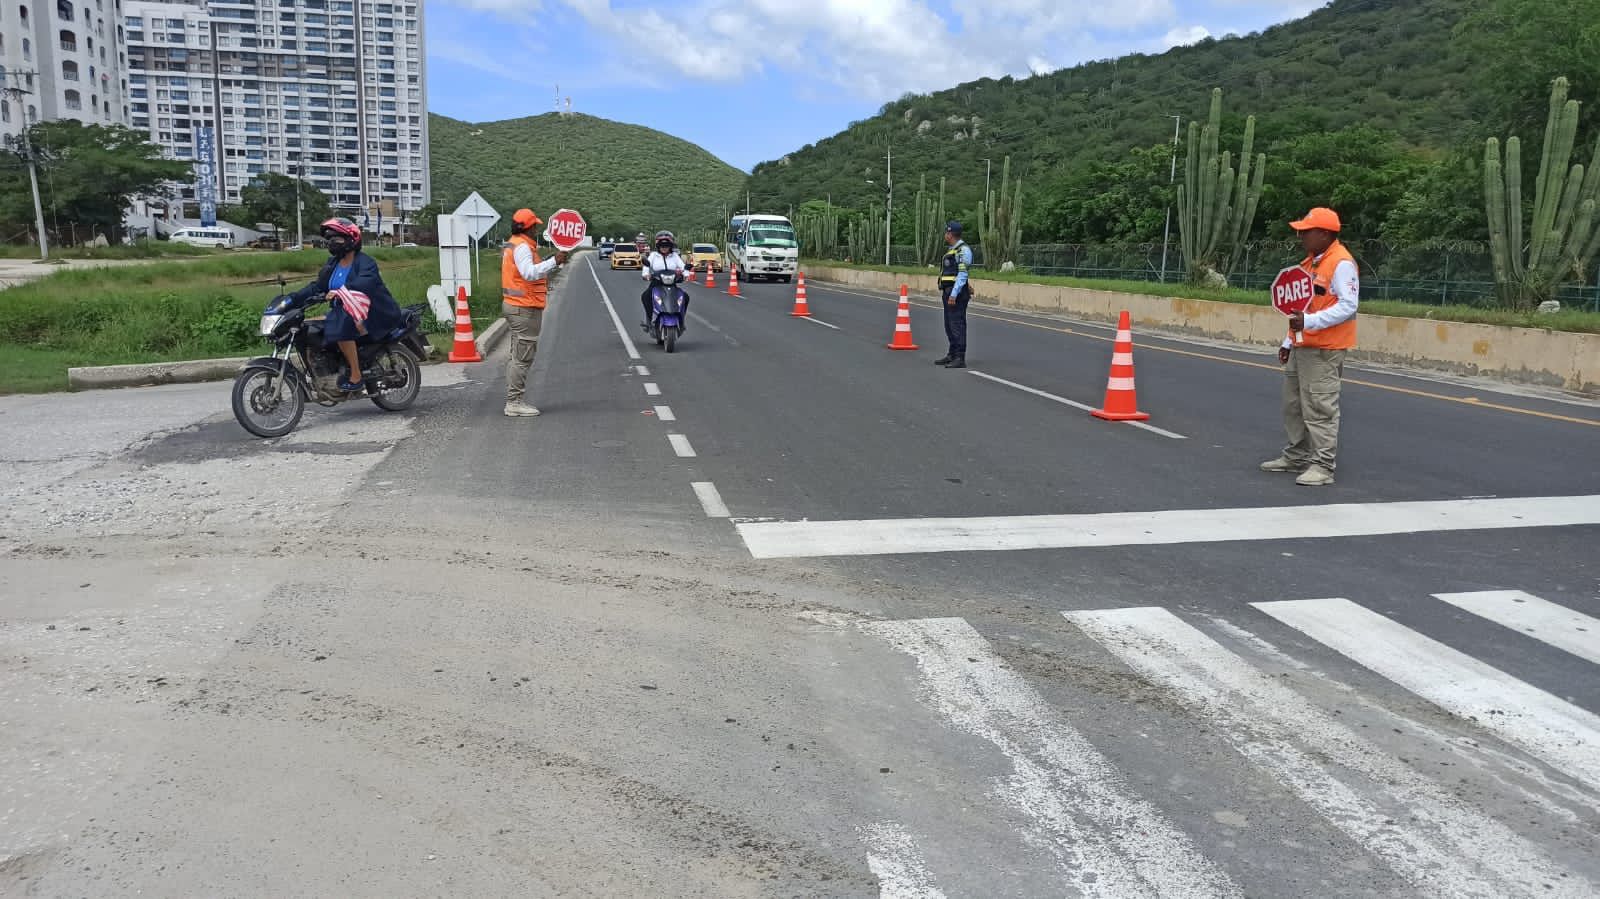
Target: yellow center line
<point x="1472" y="401"/>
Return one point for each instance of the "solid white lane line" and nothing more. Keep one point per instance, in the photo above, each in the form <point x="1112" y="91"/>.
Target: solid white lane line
<point x="643" y="371"/>
<point x="894" y="857"/>
<point x="680" y="445"/>
<point x="1439" y="843"/>
<point x="1565" y="736"/>
<point x="711" y="500"/>
<point x="818" y="321"/>
<point x="652" y="389"/>
<point x="793" y="539"/>
<point x="1108" y="840"/>
<point x="1143" y="426"/>
<point x="664" y="413"/>
<point x="1541" y="619"/>
<point x="627" y="341"/>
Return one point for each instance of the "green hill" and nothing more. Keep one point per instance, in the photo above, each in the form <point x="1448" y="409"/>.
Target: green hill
<point x="1387" y="65"/>
<point x="621" y="177"/>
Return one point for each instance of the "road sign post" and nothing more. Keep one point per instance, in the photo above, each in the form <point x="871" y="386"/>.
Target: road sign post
<point x="478" y="218"/>
<point x="566" y="230"/>
<point x="1292" y="291"/>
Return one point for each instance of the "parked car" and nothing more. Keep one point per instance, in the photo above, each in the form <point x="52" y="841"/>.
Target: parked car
<point x="606" y="247"/>
<point x="704" y="254"/>
<point x="626" y="256"/>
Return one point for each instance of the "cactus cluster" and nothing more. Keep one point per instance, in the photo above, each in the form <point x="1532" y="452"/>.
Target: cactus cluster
<point x="930" y="223"/>
<point x="1000" y="221"/>
<point x="1563" y="236"/>
<point x="819" y="233"/>
<point x="1217" y="205"/>
<point x="864" y="236"/>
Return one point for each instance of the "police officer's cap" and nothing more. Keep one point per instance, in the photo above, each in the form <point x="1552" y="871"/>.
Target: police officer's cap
<point x="953" y="227"/>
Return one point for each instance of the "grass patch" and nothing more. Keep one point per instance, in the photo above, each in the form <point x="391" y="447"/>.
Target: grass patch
<point x="145" y="249"/>
<point x="174" y="310"/>
<point x="1566" y="320"/>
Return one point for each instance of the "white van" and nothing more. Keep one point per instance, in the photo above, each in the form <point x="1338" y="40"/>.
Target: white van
<point x="763" y="246"/>
<point x="203" y="237"/>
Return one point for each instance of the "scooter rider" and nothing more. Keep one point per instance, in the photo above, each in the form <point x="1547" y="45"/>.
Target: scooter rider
<point x="664" y="258"/>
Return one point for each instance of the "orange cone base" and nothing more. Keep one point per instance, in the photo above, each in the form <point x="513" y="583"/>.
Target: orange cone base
<point x="1120" y="416"/>
<point x="909" y="347"/>
<point x="470" y="354"/>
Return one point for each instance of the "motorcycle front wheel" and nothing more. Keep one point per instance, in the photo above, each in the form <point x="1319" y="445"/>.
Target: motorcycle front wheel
<point x="264" y="404"/>
<point x="402" y="380"/>
<point x="671" y="335"/>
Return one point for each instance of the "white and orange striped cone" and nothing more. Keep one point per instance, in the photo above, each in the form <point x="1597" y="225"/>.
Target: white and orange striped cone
<point x="902" y="324"/>
<point x="711" y="276"/>
<point x="1122" y="401"/>
<point x="802" y="309"/>
<point x="733" y="282"/>
<point x="466" y="348"/>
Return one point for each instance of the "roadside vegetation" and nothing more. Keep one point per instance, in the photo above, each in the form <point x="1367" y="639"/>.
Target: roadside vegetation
<point x="176" y="310"/>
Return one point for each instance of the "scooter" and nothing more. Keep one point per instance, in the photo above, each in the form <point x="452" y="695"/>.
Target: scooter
<point x="669" y="305"/>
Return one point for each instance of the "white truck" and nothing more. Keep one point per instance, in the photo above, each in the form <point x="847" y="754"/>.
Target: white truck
<point x="763" y="246"/>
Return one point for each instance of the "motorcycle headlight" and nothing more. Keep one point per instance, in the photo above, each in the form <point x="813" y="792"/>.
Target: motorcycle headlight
<point x="269" y="323"/>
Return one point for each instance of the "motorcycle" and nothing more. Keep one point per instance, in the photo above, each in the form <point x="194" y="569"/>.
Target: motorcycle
<point x="270" y="392"/>
<point x="668" y="305"/>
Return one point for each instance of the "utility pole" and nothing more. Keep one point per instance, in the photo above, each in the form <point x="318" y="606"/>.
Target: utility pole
<point x="888" y="206"/>
<point x="299" y="210"/>
<point x="988" y="169"/>
<point x="24" y="149"/>
<point x="1166" y="234"/>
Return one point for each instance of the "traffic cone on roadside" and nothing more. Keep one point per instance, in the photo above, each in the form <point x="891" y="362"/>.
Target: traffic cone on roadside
<point x="733" y="282"/>
<point x="902" y="324"/>
<point x="1122" y="401"/>
<point x="711" y="276"/>
<point x="466" y="348"/>
<point x="801" y="308"/>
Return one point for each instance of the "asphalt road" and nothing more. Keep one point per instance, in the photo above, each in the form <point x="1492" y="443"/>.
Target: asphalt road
<point x="717" y="624"/>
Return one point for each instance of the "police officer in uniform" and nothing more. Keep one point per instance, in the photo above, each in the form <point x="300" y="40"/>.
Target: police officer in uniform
<point x="957" y="293"/>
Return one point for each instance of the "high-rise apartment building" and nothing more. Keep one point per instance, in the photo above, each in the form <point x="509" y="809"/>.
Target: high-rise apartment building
<point x="68" y="58"/>
<point x="331" y="90"/>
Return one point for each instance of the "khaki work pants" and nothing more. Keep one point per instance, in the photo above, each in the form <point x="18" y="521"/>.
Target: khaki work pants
<point x="525" y="323"/>
<point x="1311" y="406"/>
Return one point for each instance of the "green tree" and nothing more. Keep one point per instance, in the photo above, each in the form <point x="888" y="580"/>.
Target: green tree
<point x="1123" y="201"/>
<point x="88" y="177"/>
<point x="270" y="197"/>
<point x="1519" y="47"/>
<point x="1361" y="172"/>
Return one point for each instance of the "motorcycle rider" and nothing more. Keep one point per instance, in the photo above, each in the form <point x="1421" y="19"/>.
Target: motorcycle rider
<point x="664" y="258"/>
<point x="357" y="272"/>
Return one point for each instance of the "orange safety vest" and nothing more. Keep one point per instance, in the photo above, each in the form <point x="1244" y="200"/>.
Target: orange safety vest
<point x="1341" y="336"/>
<point x="515" y="289"/>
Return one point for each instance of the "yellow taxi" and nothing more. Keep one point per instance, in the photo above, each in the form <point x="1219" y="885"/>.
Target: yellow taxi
<point x="703" y="254"/>
<point x="625" y="255"/>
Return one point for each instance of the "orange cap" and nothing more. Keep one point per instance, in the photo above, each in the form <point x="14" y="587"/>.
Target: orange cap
<point x="526" y="218"/>
<point x="1320" y="218"/>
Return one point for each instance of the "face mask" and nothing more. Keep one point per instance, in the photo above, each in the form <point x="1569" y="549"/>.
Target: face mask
<point x="338" y="245"/>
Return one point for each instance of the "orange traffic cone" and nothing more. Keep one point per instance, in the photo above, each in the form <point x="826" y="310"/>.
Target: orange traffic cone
<point x="801" y="308"/>
<point x="1122" y="401"/>
<point x="902" y="324"/>
<point x="733" y="282"/>
<point x="466" y="349"/>
<point x="711" y="276"/>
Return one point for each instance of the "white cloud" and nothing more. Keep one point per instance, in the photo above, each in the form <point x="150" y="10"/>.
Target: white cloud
<point x="1182" y="37"/>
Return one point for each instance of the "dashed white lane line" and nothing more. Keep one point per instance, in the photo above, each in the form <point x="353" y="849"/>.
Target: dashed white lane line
<point x="711" y="500"/>
<point x="642" y="370"/>
<point x="627" y="341"/>
<point x="652" y="389"/>
<point x="664" y="413"/>
<point x="681" y="446"/>
<point x="894" y="857"/>
<point x="818" y="321"/>
<point x="1074" y="404"/>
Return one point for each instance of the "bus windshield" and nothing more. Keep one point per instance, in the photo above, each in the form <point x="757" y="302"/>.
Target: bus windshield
<point x="772" y="234"/>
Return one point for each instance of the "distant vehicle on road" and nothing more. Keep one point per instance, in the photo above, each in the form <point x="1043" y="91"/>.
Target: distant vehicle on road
<point x="626" y="256"/>
<point x="221" y="238"/>
<point x="763" y="246"/>
<point x="405" y="245"/>
<point x="704" y="254"/>
<point x="606" y="246"/>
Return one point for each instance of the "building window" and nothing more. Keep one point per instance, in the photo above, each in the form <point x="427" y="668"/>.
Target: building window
<point x="5" y="110"/>
<point x="69" y="70"/>
<point x="27" y="50"/>
<point x="24" y="14"/>
<point x="64" y="11"/>
<point x="74" y="100"/>
<point x="69" y="41"/>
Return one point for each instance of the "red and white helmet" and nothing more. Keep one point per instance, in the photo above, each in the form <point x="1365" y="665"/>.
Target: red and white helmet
<point x="344" y="227"/>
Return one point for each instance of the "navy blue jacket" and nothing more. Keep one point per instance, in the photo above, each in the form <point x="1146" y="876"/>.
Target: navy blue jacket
<point x="383" y="316"/>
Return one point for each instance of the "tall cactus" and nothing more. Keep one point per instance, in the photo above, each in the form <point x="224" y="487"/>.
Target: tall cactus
<point x="1000" y="222"/>
<point x="930" y="222"/>
<point x="1563" y="236"/>
<point x="819" y="233"/>
<point x="1217" y="205"/>
<point x="864" y="237"/>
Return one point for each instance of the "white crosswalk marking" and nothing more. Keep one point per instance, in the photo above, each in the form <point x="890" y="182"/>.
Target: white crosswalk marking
<point x="1541" y="619"/>
<point x="894" y="857"/>
<point x="1110" y="842"/>
<point x="1563" y="735"/>
<point x="1425" y="834"/>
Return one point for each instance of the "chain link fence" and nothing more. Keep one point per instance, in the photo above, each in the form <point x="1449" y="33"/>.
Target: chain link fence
<point x="1455" y="273"/>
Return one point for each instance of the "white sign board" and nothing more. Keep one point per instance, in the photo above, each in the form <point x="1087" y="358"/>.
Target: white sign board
<point x="455" y="255"/>
<point x="479" y="214"/>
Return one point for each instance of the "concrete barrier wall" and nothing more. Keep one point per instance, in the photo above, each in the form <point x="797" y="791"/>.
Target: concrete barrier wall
<point x="1523" y="355"/>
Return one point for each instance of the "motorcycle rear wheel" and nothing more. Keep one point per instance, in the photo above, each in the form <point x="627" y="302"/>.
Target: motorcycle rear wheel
<point x="402" y="365"/>
<point x="264" y="405"/>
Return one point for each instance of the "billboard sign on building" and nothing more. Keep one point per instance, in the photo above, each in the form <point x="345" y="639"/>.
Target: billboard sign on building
<point x="205" y="175"/>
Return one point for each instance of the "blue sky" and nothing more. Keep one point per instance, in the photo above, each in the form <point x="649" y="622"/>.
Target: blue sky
<point x="750" y="80"/>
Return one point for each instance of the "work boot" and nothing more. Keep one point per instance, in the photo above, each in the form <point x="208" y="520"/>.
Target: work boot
<point x="520" y="409"/>
<point x="1315" y="476"/>
<point x="1282" y="464"/>
<point x="943" y="360"/>
<point x="958" y="362"/>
